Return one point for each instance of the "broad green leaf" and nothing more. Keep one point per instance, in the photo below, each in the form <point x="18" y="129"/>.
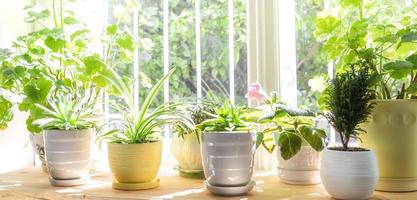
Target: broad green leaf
<point x="55" y="44"/>
<point x="355" y="3"/>
<point x="409" y="37"/>
<point x="126" y="41"/>
<point x="71" y="20"/>
<point x="313" y="136"/>
<point x="412" y="59"/>
<point x="289" y="144"/>
<point x="326" y="24"/>
<point x="259" y="138"/>
<point x="112" y="29"/>
<point x="398" y="65"/>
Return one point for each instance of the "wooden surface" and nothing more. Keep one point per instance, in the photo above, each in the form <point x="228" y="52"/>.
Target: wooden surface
<point x="33" y="184"/>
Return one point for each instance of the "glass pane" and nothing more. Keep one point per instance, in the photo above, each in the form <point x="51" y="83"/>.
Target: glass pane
<point x="214" y="47"/>
<point x="182" y="49"/>
<point x="311" y="60"/>
<point x="150" y="36"/>
<point x="241" y="61"/>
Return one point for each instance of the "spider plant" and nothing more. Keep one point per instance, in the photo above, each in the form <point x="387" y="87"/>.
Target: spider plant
<point x="67" y="111"/>
<point x="140" y="125"/>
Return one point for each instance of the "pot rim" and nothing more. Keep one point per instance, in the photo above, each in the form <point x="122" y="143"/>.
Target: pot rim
<point x="349" y="152"/>
<point x="147" y="143"/>
<point x="228" y="132"/>
<point x="61" y="130"/>
<point x="392" y="100"/>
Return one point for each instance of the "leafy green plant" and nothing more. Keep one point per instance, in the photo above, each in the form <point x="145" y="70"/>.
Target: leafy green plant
<point x="140" y="125"/>
<point x="67" y="112"/>
<point x="57" y="57"/>
<point x="348" y="101"/>
<point x="293" y="127"/>
<point x="6" y="113"/>
<point x="228" y="117"/>
<point x="381" y="32"/>
<point x="197" y="112"/>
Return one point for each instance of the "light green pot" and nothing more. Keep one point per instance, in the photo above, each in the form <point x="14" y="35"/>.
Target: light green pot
<point x="392" y="134"/>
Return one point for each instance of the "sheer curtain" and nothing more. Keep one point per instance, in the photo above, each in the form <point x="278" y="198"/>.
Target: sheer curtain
<point x="271" y="56"/>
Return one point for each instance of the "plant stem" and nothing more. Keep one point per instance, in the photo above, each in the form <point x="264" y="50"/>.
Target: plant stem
<point x="54" y="12"/>
<point x="61" y="13"/>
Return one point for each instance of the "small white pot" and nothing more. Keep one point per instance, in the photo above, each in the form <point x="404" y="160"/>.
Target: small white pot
<point x="349" y="175"/>
<point x="302" y="169"/>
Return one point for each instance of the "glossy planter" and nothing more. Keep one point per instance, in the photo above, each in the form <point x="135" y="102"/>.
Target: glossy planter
<point x="302" y="169"/>
<point x="349" y="175"/>
<point x="186" y="151"/>
<point x="38" y="146"/>
<point x="67" y="153"/>
<point x="392" y="134"/>
<point x="135" y="166"/>
<point x="228" y="157"/>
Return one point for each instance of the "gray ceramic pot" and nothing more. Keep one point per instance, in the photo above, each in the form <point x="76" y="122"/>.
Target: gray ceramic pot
<point x="68" y="153"/>
<point x="228" y="157"/>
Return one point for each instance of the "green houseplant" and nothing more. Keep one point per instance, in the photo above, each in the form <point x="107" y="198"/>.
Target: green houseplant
<point x="382" y="35"/>
<point x="186" y="142"/>
<point x="349" y="172"/>
<point x="299" y="141"/>
<point x="67" y="135"/>
<point x="135" y="149"/>
<point x="228" y="147"/>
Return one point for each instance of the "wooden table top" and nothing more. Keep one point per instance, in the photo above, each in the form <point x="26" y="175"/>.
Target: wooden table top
<point x="31" y="183"/>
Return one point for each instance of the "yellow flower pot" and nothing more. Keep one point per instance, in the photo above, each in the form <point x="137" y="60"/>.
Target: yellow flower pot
<point x="135" y="166"/>
<point x="392" y="134"/>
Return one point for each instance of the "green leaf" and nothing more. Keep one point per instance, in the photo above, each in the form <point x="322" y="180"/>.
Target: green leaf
<point x="412" y="59"/>
<point x="289" y="144"/>
<point x="355" y="3"/>
<point x="398" y="65"/>
<point x="409" y="37"/>
<point x="71" y="20"/>
<point x="313" y="136"/>
<point x="93" y="64"/>
<point x="259" y="139"/>
<point x="112" y="29"/>
<point x="55" y="44"/>
<point x="326" y="24"/>
<point x="126" y="41"/>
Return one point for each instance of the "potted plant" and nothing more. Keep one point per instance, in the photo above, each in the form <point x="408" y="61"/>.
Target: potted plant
<point x="68" y="136"/>
<point x="228" y="147"/>
<point x="299" y="141"/>
<point x="186" y="142"/>
<point x="349" y="172"/>
<point x="135" y="149"/>
<point x="360" y="32"/>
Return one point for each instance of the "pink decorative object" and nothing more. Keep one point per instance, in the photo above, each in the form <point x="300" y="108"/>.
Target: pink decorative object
<point x="256" y="92"/>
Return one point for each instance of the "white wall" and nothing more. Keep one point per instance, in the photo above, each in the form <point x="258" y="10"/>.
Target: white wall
<point x="15" y="148"/>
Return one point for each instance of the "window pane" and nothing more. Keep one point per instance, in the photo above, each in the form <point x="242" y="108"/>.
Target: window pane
<point x="311" y="60"/>
<point x="214" y="46"/>
<point x="241" y="61"/>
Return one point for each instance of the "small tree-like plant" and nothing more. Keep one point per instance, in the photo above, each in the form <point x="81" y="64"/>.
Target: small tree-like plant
<point x="348" y="101"/>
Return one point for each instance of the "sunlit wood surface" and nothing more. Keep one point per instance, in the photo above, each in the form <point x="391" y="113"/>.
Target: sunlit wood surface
<point x="33" y="184"/>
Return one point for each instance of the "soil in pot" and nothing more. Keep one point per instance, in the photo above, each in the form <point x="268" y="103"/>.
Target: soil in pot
<point x="135" y="166"/>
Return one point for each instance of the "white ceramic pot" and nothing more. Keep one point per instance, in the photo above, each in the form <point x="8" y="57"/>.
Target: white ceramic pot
<point x="38" y="146"/>
<point x="228" y="157"/>
<point x="186" y="151"/>
<point x="302" y="169"/>
<point x="349" y="175"/>
<point x="68" y="153"/>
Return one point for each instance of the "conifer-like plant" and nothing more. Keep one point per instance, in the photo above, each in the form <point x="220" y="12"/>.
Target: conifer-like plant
<point x="348" y="99"/>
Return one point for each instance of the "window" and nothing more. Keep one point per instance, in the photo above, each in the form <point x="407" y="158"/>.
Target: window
<point x="204" y="40"/>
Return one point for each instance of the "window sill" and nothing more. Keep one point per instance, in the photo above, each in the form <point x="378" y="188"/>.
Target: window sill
<point x="31" y="183"/>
